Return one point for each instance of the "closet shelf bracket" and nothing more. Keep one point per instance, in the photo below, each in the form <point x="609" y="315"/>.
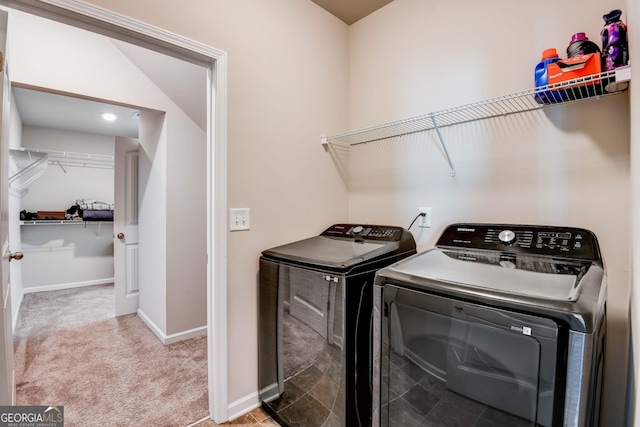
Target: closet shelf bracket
<point x="444" y="146"/>
<point x="61" y="167"/>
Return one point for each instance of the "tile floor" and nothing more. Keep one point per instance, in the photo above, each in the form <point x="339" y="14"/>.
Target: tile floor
<point x="255" y="418"/>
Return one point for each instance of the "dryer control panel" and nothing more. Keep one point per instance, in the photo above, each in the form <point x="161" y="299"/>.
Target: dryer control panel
<point x="383" y="233"/>
<point x="569" y="242"/>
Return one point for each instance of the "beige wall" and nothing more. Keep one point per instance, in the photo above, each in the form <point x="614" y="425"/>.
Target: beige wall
<point x="287" y="86"/>
<point x="568" y="165"/>
<point x="633" y="23"/>
<point x="296" y="73"/>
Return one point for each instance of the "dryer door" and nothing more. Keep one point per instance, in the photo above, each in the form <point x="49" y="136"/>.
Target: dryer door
<point x="451" y="362"/>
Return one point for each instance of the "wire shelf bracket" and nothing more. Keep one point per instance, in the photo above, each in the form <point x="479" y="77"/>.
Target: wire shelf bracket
<point x="444" y="146"/>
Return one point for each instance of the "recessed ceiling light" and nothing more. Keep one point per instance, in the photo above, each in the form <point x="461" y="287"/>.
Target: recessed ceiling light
<point x="109" y="116"/>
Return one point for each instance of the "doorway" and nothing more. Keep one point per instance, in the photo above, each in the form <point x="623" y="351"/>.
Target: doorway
<point x="119" y="27"/>
<point x="63" y="187"/>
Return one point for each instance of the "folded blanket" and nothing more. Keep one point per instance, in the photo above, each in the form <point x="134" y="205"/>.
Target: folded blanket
<point x="97" y="215"/>
<point x="95" y="205"/>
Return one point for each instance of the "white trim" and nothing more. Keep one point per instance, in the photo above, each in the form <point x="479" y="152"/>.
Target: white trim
<point x="173" y="338"/>
<point x="244" y="405"/>
<point x="60" y="286"/>
<point x="17" y="312"/>
<point x="199" y="421"/>
<point x="217" y="240"/>
<point x="185" y="335"/>
<point x="93" y="18"/>
<point x="154" y="328"/>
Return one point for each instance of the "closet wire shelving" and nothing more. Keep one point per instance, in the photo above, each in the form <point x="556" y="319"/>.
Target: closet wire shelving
<point x="66" y="222"/>
<point x="32" y="163"/>
<point x="588" y="87"/>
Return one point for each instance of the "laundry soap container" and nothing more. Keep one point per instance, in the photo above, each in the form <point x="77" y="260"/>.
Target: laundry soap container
<point x="549" y="56"/>
<point x="615" y="49"/>
<point x="581" y="45"/>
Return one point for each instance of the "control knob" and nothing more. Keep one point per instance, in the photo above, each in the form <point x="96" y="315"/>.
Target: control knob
<point x="507" y="237"/>
<point x="357" y="229"/>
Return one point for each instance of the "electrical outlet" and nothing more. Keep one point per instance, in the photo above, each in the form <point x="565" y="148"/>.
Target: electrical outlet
<point x="425" y="221"/>
<point x="239" y="219"/>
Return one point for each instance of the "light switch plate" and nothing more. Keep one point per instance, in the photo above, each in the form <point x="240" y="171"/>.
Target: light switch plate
<point x="239" y="219"/>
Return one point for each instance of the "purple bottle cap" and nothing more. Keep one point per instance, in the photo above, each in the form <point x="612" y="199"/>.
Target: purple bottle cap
<point x="578" y="37"/>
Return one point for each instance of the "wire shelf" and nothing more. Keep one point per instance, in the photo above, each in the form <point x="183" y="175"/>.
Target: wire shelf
<point x="30" y="166"/>
<point x="31" y="163"/>
<point x="68" y="158"/>
<point x="593" y="86"/>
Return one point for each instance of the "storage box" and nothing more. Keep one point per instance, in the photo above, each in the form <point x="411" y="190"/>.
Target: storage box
<point x="574" y="68"/>
<point x="50" y="215"/>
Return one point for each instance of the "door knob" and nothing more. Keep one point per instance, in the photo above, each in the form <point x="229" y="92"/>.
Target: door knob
<point x="16" y="255"/>
<point x="120" y="236"/>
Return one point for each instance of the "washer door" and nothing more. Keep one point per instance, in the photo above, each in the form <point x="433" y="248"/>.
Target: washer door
<point x="450" y="362"/>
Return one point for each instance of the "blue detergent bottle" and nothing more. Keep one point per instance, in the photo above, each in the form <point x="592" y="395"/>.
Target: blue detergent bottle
<point x="542" y="79"/>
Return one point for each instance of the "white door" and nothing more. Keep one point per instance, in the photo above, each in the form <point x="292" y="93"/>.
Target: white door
<point x="125" y="225"/>
<point x="6" y="330"/>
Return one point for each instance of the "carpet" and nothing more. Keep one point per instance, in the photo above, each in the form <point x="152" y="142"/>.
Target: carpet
<point x="71" y="351"/>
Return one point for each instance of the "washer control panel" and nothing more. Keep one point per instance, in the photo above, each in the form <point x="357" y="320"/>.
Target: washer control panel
<point x="384" y="233"/>
<point x="567" y="242"/>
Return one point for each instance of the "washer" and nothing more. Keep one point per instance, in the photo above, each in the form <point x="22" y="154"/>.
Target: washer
<point x="315" y="323"/>
<point x="497" y="325"/>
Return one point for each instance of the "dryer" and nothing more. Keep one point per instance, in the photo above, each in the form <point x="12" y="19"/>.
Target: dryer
<point x="500" y="325"/>
<point x="315" y="304"/>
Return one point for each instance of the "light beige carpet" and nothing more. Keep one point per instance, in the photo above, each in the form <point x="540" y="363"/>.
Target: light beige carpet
<point x="70" y="350"/>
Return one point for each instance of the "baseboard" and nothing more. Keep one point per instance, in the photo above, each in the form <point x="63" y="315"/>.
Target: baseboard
<point x="173" y="338"/>
<point x="32" y="289"/>
<point x="185" y="335"/>
<point x="243" y="405"/>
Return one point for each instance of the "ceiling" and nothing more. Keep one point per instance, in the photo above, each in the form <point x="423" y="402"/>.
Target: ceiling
<point x="351" y="11"/>
<point x="182" y="82"/>
<point x="56" y="111"/>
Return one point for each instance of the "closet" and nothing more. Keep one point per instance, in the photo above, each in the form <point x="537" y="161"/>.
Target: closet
<point x="55" y="168"/>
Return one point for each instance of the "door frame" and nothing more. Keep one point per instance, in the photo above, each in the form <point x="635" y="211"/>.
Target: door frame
<point x="102" y="21"/>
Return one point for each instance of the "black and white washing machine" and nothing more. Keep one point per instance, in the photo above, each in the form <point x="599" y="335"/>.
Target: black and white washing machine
<point x="315" y="304"/>
<point x="498" y="325"/>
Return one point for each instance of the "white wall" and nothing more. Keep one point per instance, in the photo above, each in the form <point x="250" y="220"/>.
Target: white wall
<point x="152" y="202"/>
<point x="565" y="166"/>
<point x="67" y="255"/>
<point x="188" y="221"/>
<point x="93" y="66"/>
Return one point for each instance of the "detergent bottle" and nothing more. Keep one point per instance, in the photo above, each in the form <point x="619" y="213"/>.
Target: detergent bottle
<point x="581" y="45"/>
<point x="542" y="79"/>
<point x="615" y="49"/>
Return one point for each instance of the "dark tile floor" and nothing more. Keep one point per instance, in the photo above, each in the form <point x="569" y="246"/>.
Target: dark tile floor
<point x="311" y="397"/>
<point x="418" y="399"/>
